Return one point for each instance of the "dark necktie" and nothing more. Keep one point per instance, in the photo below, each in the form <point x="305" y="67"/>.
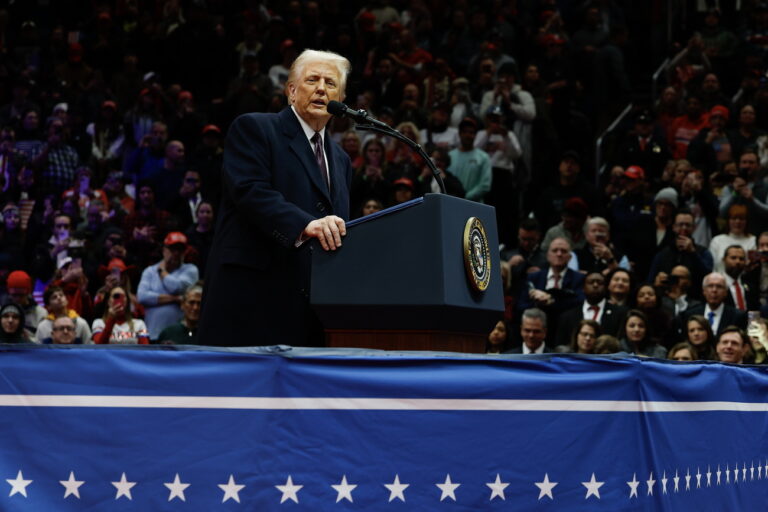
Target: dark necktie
<point x="317" y="140"/>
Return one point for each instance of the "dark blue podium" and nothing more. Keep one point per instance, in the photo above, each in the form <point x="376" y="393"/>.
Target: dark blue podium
<point x="401" y="280"/>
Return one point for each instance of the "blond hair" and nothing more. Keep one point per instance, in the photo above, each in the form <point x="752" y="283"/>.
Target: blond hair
<point x="341" y="64"/>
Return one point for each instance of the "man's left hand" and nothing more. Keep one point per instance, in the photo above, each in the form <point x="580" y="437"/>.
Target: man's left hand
<point x="328" y="231"/>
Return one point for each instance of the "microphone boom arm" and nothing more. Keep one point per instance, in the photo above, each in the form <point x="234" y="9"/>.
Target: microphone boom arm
<point x="386" y="130"/>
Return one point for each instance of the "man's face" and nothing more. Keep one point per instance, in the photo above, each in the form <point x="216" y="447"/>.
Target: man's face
<point x="318" y="84"/>
<point x="191" y="307"/>
<point x="175" y="151"/>
<point x="749" y="164"/>
<point x="61" y="227"/>
<point x="528" y="240"/>
<point x="439" y="120"/>
<point x="730" y="348"/>
<point x="533" y="332"/>
<point x="735" y="260"/>
<point x="192" y="180"/>
<point x="63" y="331"/>
<point x="172" y="254"/>
<point x="683" y="277"/>
<point x="158" y="135"/>
<point x="7" y="140"/>
<point x="693" y="107"/>
<point x="146" y="196"/>
<point x="762" y="243"/>
<point x="664" y="209"/>
<point x="597" y="234"/>
<point x="569" y="167"/>
<point x="710" y="83"/>
<point x="683" y="225"/>
<point x="715" y="291"/>
<point x="558" y="254"/>
<point x="594" y="287"/>
<point x="467" y="136"/>
<point x="58" y="301"/>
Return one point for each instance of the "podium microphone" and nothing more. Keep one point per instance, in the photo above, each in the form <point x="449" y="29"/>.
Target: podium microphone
<point x="339" y="109"/>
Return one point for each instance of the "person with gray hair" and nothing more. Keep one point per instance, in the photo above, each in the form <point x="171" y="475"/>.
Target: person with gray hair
<point x="599" y="255"/>
<point x="533" y="332"/>
<point x="284" y="182"/>
<point x="719" y="314"/>
<point x="184" y="332"/>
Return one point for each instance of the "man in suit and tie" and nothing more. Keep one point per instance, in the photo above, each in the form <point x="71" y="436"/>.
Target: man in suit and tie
<point x="744" y="292"/>
<point x="533" y="332"/>
<point x="595" y="307"/>
<point x="714" y="309"/>
<point x="285" y="182"/>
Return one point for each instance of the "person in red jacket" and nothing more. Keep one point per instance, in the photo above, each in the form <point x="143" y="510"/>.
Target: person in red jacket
<point x="117" y="325"/>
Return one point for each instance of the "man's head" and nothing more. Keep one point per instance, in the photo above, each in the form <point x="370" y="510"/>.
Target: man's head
<point x="533" y="328"/>
<point x="731" y="345"/>
<point x="598" y="231"/>
<point x="190" y="305"/>
<point x="528" y="235"/>
<point x="63" y="331"/>
<point x="735" y="260"/>
<point x="174" y="245"/>
<point x="146" y="196"/>
<point x="559" y="254"/>
<point x="594" y="287"/>
<point x="467" y="133"/>
<point x="158" y="135"/>
<point x="715" y="289"/>
<point x="634" y="179"/>
<point x="191" y="185"/>
<point x="666" y="201"/>
<point x="749" y="164"/>
<point x="680" y="277"/>
<point x="438" y="118"/>
<point x="55" y="300"/>
<point x="683" y="225"/>
<point x="718" y="117"/>
<point x="174" y="152"/>
<point x="19" y="286"/>
<point x="574" y="214"/>
<point x="570" y="165"/>
<point x="315" y="79"/>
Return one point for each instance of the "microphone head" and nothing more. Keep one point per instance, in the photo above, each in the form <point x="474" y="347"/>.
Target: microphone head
<point x="336" y="108"/>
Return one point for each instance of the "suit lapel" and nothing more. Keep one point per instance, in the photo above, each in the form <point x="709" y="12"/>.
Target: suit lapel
<point x="302" y="148"/>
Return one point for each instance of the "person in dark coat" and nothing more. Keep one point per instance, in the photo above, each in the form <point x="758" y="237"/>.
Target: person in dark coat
<point x="285" y="182"/>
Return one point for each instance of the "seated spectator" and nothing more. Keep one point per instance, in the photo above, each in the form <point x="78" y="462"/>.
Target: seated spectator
<point x="599" y="254"/>
<point x="698" y="333"/>
<point x="116" y="273"/>
<point x="747" y="134"/>
<point x="749" y="189"/>
<point x="719" y="314"/>
<point x="83" y="191"/>
<point x="533" y="331"/>
<point x="571" y="227"/>
<point x="63" y="332"/>
<point x="350" y="143"/>
<point x="736" y="234"/>
<point x="697" y="197"/>
<point x="636" y="337"/>
<point x="11" y="324"/>
<point x="584" y="336"/>
<point x="676" y="286"/>
<point x="403" y="190"/>
<point x="183" y="206"/>
<point x="370" y="206"/>
<point x="743" y="288"/>
<point x="528" y="257"/>
<point x="185" y="331"/>
<point x="595" y="308"/>
<point x="731" y="345"/>
<point x="117" y="326"/>
<point x="57" y="305"/>
<point x="647" y="300"/>
<point x="162" y="284"/>
<point x="620" y="287"/>
<point x="607" y="344"/>
<point x="498" y="339"/>
<point x="71" y="278"/>
<point x="683" y="351"/>
<point x="684" y="252"/>
<point x="145" y="227"/>
<point x="19" y="287"/>
<point x="371" y="178"/>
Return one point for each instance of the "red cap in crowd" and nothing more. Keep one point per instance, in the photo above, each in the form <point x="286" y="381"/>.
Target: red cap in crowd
<point x="635" y="172"/>
<point x="719" y="110"/>
<point x="19" y="279"/>
<point x="175" y="238"/>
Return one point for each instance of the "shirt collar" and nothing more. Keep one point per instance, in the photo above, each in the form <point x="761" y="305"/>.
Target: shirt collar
<point x="308" y="130"/>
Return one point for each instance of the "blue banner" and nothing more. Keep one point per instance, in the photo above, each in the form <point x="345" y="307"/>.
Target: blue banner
<point x="154" y="429"/>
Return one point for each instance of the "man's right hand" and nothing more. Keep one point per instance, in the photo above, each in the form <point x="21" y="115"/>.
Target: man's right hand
<point x="327" y="230"/>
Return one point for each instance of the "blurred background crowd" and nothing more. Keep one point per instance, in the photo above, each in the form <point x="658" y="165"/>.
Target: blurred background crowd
<point x="620" y="140"/>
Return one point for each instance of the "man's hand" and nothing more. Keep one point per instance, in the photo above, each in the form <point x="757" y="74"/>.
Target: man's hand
<point x="541" y="297"/>
<point x="516" y="260"/>
<point x="685" y="244"/>
<point x="328" y="231"/>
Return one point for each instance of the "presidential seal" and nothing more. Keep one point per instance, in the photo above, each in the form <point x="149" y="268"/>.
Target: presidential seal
<point x="477" y="254"/>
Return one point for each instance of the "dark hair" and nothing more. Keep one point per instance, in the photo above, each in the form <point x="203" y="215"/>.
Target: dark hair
<point x="532" y="225"/>
<point x="49" y="292"/>
<point x="575" y="333"/>
<point x="707" y="349"/>
<point x="18" y="335"/>
<point x="739" y="331"/>
<point x="642" y="316"/>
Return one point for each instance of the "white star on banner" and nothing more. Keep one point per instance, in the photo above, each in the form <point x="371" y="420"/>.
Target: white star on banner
<point x="718" y="473"/>
<point x="545" y="487"/>
<point x="593" y="487"/>
<point x="633" y="486"/>
<point x="290" y="491"/>
<point x="736" y="474"/>
<point x="727" y="474"/>
<point x="677" y="481"/>
<point x="344" y="490"/>
<point x="18" y="485"/>
<point x="396" y="489"/>
<point x="176" y="488"/>
<point x="123" y="488"/>
<point x="650" y="483"/>
<point x="709" y="476"/>
<point x="698" y="478"/>
<point x="744" y="473"/>
<point x="759" y="472"/>
<point x="664" y="483"/>
<point x="766" y="468"/>
<point x="497" y="488"/>
<point x="231" y="490"/>
<point x="448" y="488"/>
<point x="752" y="471"/>
<point x="71" y="486"/>
<point x="688" y="479"/>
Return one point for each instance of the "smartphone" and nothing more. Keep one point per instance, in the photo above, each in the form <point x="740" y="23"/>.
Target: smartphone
<point x="752" y="316"/>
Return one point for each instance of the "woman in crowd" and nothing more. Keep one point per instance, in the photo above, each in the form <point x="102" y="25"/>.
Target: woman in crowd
<point x="117" y="325"/>
<point x="116" y="273"/>
<point x="648" y="301"/>
<point x="371" y="179"/>
<point x="584" y="336"/>
<point x="12" y="324"/>
<point x="636" y="337"/>
<point x="350" y="142"/>
<point x="683" y="351"/>
<point x="200" y="235"/>
<point x="619" y="287"/>
<point x="498" y="339"/>
<point x="699" y="333"/>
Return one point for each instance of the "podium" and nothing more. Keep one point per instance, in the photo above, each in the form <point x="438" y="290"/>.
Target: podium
<point x="410" y="278"/>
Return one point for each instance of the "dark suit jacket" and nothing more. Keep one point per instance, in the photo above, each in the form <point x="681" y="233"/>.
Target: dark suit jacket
<point x="610" y="323"/>
<point x="569" y="295"/>
<point x="731" y="316"/>
<point x="751" y="291"/>
<point x="257" y="285"/>
<point x="519" y="350"/>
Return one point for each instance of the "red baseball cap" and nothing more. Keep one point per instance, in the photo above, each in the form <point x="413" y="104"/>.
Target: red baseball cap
<point x="175" y="238"/>
<point x="635" y="172"/>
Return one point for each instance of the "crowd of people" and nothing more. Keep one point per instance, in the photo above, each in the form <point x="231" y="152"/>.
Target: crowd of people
<point x="113" y="117"/>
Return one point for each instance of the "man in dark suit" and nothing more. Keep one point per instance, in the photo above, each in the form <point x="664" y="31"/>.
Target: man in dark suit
<point x="533" y="332"/>
<point x="714" y="309"/>
<point x="285" y="182"/>
<point x="595" y="307"/>
<point x="744" y="292"/>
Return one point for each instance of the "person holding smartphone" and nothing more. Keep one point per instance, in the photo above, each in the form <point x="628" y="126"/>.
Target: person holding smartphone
<point x="117" y="326"/>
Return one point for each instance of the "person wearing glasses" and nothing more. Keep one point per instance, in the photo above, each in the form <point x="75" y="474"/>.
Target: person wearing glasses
<point x="57" y="304"/>
<point x="117" y="326"/>
<point x="63" y="332"/>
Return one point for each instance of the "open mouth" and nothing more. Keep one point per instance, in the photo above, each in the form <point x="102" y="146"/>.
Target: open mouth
<point x="319" y="103"/>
